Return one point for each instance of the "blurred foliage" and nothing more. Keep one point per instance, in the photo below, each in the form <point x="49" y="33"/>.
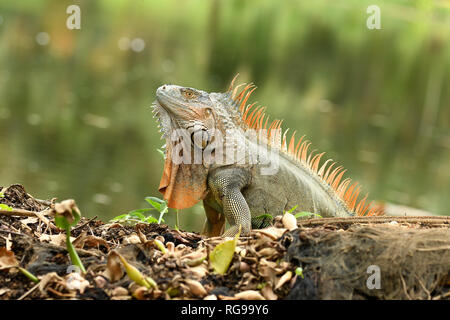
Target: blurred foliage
<point x="74" y="104"/>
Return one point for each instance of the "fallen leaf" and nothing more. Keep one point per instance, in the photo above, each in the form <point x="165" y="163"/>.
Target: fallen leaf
<point x="74" y="281"/>
<point x="196" y="288"/>
<point x="4" y="290"/>
<point x="272" y="232"/>
<point x="113" y="270"/>
<point x="7" y="259"/>
<point x="56" y="239"/>
<point x="222" y="255"/>
<point x="289" y="221"/>
<point x="249" y="295"/>
<point x="267" y="292"/>
<point x="284" y="278"/>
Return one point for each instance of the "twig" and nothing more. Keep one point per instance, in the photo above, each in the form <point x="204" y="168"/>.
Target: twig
<point x="23" y="213"/>
<point x="404" y="287"/>
<point x="87" y="222"/>
<point x="28" y="292"/>
<point x="378" y="219"/>
<point x="424" y="288"/>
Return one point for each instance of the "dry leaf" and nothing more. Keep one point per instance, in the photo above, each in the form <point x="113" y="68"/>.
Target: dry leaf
<point x="249" y="295"/>
<point x="196" y="288"/>
<point x="284" y="278"/>
<point x="113" y="270"/>
<point x="47" y="279"/>
<point x="272" y="232"/>
<point x="74" y="281"/>
<point x="89" y="241"/>
<point x="7" y="259"/>
<point x="289" y="221"/>
<point x="4" y="290"/>
<point x="267" y="292"/>
<point x="56" y="239"/>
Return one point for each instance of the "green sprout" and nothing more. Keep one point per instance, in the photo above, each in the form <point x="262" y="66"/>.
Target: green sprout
<point x="68" y="215"/>
<point x="5" y="207"/>
<point x="302" y="213"/>
<point x="299" y="272"/>
<point x="138" y="215"/>
<point x="159" y="205"/>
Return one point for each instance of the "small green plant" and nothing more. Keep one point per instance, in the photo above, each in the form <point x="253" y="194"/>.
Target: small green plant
<point x="68" y="215"/>
<point x="4" y="206"/>
<point x="299" y="272"/>
<point x="302" y="213"/>
<point x="306" y="214"/>
<point x="138" y="215"/>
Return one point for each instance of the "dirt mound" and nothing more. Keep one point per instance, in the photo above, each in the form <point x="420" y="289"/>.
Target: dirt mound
<point x="330" y="258"/>
<point x="412" y="259"/>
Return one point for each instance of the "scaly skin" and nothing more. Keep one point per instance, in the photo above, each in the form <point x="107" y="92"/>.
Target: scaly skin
<point x="239" y="192"/>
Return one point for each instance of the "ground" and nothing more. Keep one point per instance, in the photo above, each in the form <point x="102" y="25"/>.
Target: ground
<point x="321" y="259"/>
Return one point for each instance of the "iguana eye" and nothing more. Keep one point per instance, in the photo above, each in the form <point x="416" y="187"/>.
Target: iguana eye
<point x="189" y="94"/>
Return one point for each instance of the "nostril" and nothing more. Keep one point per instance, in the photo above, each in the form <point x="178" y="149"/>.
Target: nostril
<point x="164" y="87"/>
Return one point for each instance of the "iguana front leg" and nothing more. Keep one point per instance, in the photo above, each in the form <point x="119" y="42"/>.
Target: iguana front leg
<point x="226" y="186"/>
<point x="215" y="222"/>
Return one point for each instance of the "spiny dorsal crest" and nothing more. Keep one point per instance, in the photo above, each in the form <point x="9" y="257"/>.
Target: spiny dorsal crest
<point x="253" y="119"/>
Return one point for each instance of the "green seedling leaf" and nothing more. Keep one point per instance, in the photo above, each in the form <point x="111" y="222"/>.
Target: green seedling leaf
<point x="5" y="207"/>
<point x="306" y="214"/>
<point x="135" y="275"/>
<point x="151" y="219"/>
<point x="136" y="214"/>
<point x="222" y="255"/>
<point x="299" y="272"/>
<point x="160" y="246"/>
<point x="196" y="262"/>
<point x="292" y="209"/>
<point x="156" y="203"/>
<point x="159" y="205"/>
<point x="140" y="211"/>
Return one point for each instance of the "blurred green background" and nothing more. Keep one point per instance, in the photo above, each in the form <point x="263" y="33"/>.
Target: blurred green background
<point x="75" y="120"/>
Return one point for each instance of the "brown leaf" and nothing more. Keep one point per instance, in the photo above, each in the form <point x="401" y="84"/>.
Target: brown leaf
<point x="56" y="239"/>
<point x="113" y="270"/>
<point x="65" y="208"/>
<point x="272" y="232"/>
<point x="7" y="259"/>
<point x="289" y="221"/>
<point x="267" y="292"/>
<point x="284" y="278"/>
<point x="84" y="240"/>
<point x="196" y="288"/>
<point x="249" y="295"/>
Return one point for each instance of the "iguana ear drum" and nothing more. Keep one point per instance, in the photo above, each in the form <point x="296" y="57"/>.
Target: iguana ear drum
<point x="200" y="137"/>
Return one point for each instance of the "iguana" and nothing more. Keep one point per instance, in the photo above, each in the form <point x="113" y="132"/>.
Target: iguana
<point x="196" y="122"/>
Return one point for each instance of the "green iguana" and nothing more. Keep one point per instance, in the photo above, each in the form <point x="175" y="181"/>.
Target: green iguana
<point x="215" y="152"/>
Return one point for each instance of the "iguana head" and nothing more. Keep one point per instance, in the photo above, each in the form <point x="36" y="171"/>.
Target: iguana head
<point x="188" y="119"/>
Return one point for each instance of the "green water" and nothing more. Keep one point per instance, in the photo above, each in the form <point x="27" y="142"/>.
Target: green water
<point x="74" y="110"/>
